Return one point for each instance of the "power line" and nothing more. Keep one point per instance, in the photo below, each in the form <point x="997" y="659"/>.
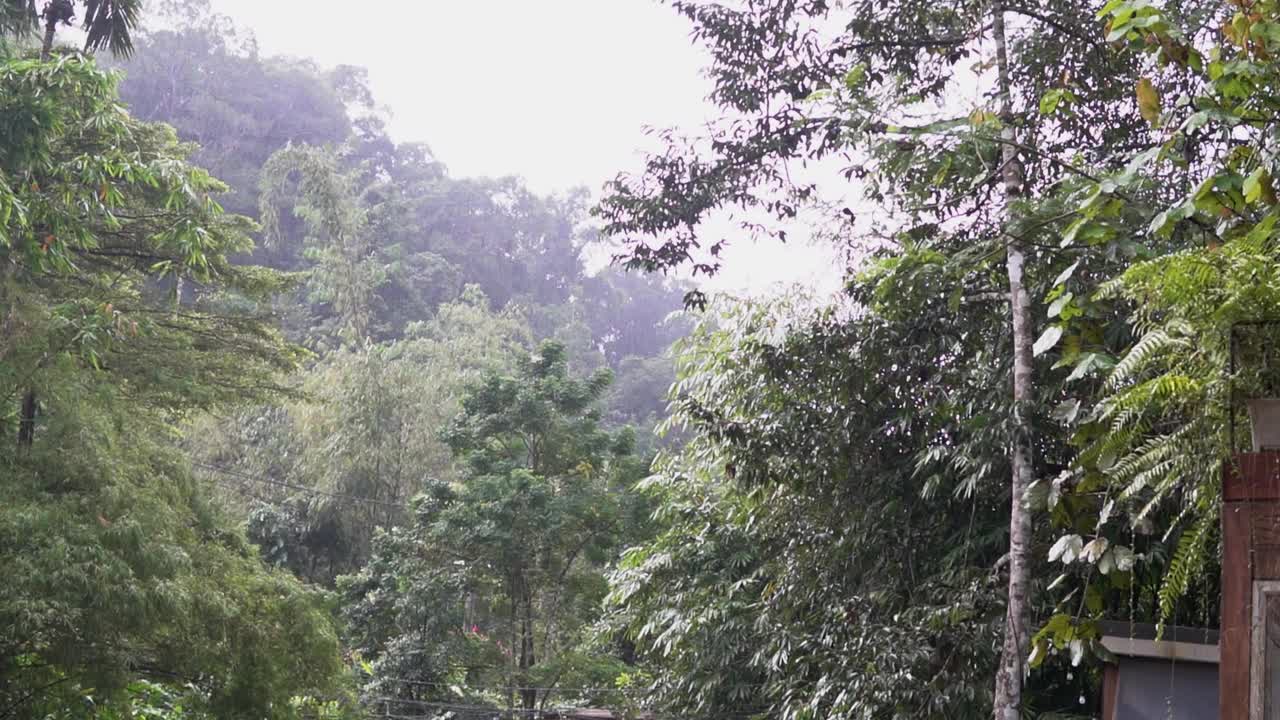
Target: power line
<point x="291" y="486"/>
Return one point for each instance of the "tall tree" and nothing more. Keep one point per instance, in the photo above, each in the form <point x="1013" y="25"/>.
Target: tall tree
<point x="1157" y="431"/>
<point x="1009" y="676"/>
<point x="502" y="571"/>
<point x="107" y="24"/>
<point x="347" y="272"/>
<point x="807" y="566"/>
<point x="998" y="178"/>
<point x="120" y="568"/>
<point x="363" y="440"/>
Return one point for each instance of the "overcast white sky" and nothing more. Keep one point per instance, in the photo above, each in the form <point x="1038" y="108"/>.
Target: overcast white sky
<point x="555" y="91"/>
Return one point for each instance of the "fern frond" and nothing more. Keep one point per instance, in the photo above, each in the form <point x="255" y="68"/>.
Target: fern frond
<point x="1167" y="339"/>
<point x="1188" y="561"/>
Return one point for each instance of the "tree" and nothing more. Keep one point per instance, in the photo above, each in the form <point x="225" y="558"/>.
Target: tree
<point x="1156" y="433"/>
<point x="1009" y="676"/>
<point x="799" y="570"/>
<point x="120" y="569"/>
<point x="204" y="76"/>
<point x="107" y="23"/>
<point x="500" y="574"/>
<point x="874" y="92"/>
<point x="347" y="272"/>
<point x="363" y="438"/>
<point x="431" y="234"/>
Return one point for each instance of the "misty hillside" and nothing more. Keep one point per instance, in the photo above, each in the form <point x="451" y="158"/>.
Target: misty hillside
<point x="298" y="423"/>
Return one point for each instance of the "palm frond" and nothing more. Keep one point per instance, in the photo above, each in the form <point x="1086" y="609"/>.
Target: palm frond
<point x="109" y="24"/>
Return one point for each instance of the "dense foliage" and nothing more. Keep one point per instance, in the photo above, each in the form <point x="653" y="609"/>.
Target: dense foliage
<point x="799" y="565"/>
<point x="118" y="564"/>
<point x="346" y="434"/>
<point x="1130" y="190"/>
<point x="498" y="579"/>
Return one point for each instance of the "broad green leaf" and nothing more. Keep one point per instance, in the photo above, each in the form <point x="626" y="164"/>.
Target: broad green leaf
<point x="1066" y="549"/>
<point x="941" y="176"/>
<point x="1149" y="102"/>
<point x="1048" y="339"/>
<point x="1253" y="185"/>
<point x="1065" y="275"/>
<point x="855" y="77"/>
<point x="1094" y="550"/>
<point x="1055" y="307"/>
<point x="1261" y="232"/>
<point x="1050" y="101"/>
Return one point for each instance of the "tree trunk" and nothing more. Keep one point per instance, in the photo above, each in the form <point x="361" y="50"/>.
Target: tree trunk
<point x="27" y="419"/>
<point x="50" y="29"/>
<point x="1009" y="675"/>
<point x="528" y="695"/>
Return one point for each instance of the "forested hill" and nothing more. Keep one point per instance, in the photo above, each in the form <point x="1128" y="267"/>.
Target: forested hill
<point x="446" y="277"/>
<point x="251" y="430"/>
<point x="428" y="234"/>
<point x="296" y="424"/>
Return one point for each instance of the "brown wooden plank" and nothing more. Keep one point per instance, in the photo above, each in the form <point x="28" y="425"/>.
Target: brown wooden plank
<point x="1237" y="585"/>
<point x="1264" y="526"/>
<point x="1266" y="562"/>
<point x="1110" y="684"/>
<point x="1252" y="476"/>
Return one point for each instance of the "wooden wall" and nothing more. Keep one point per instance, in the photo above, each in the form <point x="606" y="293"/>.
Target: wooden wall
<point x="1250" y="551"/>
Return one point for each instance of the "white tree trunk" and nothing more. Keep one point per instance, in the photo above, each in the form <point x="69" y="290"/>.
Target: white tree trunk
<point x="1009" y="676"/>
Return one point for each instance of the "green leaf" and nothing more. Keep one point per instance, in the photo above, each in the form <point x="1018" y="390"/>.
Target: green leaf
<point x="1055" y="307"/>
<point x="1253" y="185"/>
<point x="1066" y="549"/>
<point x="1048" y="339"/>
<point x="1065" y="275"/>
<point x="1050" y="101"/>
<point x="1149" y="102"/>
<point x="1110" y="7"/>
<point x="941" y="176"/>
<point x="856" y="76"/>
<point x="1140" y="162"/>
<point x="1261" y="232"/>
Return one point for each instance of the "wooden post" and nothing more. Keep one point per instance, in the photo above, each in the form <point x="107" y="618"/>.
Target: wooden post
<point x="1250" y="553"/>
